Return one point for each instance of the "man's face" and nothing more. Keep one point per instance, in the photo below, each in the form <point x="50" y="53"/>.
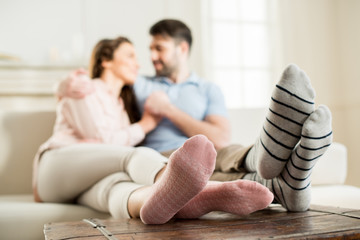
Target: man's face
<point x="165" y="54"/>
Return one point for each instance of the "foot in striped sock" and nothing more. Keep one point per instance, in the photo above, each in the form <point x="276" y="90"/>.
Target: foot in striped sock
<point x="239" y="197"/>
<point x="291" y="104"/>
<point x="186" y="174"/>
<point x="292" y="188"/>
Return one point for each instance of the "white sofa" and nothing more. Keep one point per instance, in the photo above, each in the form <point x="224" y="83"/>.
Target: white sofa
<point x="21" y="133"/>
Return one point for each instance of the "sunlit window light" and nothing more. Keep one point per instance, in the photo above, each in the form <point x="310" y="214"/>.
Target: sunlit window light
<point x="240" y="59"/>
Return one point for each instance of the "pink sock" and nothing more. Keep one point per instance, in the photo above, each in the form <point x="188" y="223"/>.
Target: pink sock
<point x="239" y="197"/>
<point x="186" y="174"/>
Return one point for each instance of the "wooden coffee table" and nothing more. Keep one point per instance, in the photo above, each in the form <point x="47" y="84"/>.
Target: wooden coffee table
<point x="271" y="223"/>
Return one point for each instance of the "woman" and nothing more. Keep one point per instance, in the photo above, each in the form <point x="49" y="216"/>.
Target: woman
<point x="90" y="156"/>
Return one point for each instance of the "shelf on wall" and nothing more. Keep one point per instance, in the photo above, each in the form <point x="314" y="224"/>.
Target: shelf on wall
<point x="5" y="65"/>
<point x="33" y="80"/>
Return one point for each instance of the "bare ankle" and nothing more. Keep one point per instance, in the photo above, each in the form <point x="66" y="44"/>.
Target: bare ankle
<point x="159" y="174"/>
<point x="136" y="201"/>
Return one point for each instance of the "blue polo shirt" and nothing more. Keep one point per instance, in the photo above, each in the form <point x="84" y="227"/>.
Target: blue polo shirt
<point x="196" y="97"/>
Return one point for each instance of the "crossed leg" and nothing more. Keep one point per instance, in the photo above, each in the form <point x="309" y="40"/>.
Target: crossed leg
<point x="183" y="189"/>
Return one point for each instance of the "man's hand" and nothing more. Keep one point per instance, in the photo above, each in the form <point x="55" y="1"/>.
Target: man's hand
<point x="76" y="85"/>
<point x="158" y="103"/>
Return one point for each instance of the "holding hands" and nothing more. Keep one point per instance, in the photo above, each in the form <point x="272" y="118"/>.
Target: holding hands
<point x="155" y="108"/>
<point x="149" y="121"/>
<point x="158" y="103"/>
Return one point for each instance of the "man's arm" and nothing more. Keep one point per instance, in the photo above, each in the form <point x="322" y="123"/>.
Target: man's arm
<point x="75" y="85"/>
<point x="215" y="127"/>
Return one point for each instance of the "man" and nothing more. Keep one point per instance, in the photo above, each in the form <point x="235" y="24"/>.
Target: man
<point x="294" y="134"/>
<point x="188" y="104"/>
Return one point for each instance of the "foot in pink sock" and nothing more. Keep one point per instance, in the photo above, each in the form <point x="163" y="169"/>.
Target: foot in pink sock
<point x="186" y="174"/>
<point x="239" y="197"/>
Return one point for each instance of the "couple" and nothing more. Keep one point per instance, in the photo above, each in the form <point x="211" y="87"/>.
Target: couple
<point x="89" y="157"/>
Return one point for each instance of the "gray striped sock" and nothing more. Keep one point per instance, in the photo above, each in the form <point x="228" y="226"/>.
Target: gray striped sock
<point x="291" y="103"/>
<point x="292" y="189"/>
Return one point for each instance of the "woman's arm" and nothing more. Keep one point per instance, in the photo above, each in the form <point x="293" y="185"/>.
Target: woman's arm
<point x="91" y="119"/>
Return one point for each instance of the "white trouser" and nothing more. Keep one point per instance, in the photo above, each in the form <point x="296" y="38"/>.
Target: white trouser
<point x="101" y="176"/>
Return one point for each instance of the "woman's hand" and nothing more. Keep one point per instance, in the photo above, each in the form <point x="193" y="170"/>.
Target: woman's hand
<point x="76" y="85"/>
<point x="149" y="121"/>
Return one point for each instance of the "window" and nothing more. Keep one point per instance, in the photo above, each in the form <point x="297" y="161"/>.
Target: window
<point x="238" y="54"/>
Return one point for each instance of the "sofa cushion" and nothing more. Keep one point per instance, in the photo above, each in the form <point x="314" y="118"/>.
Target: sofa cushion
<point x="331" y="168"/>
<point x="22" y="218"/>
<point x="343" y="196"/>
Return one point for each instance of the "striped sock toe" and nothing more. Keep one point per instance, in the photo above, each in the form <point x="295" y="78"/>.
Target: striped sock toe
<point x="291" y="104"/>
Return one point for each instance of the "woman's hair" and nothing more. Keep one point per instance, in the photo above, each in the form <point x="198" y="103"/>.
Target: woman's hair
<point x="104" y="51"/>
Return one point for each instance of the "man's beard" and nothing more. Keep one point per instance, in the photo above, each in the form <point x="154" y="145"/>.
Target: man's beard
<point x="166" y="70"/>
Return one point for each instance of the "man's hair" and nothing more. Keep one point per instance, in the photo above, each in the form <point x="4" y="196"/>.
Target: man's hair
<point x="172" y="28"/>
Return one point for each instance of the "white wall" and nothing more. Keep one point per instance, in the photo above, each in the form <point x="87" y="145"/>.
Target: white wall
<point x="347" y="86"/>
<point x="323" y="38"/>
<point x="64" y="31"/>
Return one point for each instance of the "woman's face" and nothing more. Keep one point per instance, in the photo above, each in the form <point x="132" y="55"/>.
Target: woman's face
<point x="124" y="64"/>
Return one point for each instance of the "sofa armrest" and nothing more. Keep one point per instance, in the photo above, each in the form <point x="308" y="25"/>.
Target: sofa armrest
<point x="21" y="134"/>
<point x="331" y="168"/>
